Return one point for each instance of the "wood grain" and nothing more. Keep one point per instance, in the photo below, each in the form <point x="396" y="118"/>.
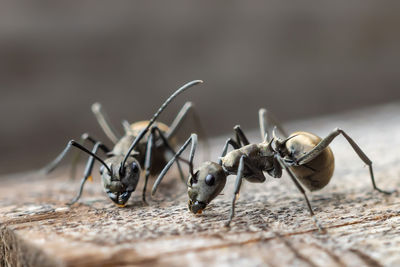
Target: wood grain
<point x="272" y="226"/>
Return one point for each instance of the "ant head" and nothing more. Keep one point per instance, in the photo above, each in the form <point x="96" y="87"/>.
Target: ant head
<point x="206" y="183"/>
<point x="122" y="181"/>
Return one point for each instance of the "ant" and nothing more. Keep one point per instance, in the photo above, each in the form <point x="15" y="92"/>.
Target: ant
<point x="304" y="156"/>
<point x="121" y="144"/>
<point x="120" y="171"/>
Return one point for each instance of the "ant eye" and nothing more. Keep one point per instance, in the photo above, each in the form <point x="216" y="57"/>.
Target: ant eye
<point x="210" y="180"/>
<point x="135" y="168"/>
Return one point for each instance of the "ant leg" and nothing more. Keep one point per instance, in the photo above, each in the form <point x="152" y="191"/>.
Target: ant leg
<point x="189" y="106"/>
<point x="301" y="189"/>
<point x="143" y="132"/>
<point x="169" y="147"/>
<point x="267" y="124"/>
<point x="228" y="142"/>
<point x="88" y="172"/>
<point x="85" y="137"/>
<point x="257" y="175"/>
<point x="149" y="152"/>
<point x="127" y="126"/>
<point x="104" y="122"/>
<point x="192" y="139"/>
<point x="89" y="165"/>
<point x="240" y="136"/>
<point x="238" y="183"/>
<point x="324" y="143"/>
<point x="147" y="162"/>
<point x="52" y="165"/>
<point x="179" y="119"/>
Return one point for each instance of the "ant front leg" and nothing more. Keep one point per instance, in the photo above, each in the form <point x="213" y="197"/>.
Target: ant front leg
<point x="88" y="171"/>
<point x="257" y="176"/>
<point x="89" y="165"/>
<point x="52" y="165"/>
<point x="324" y="143"/>
<point x="85" y="137"/>
<point x="193" y="140"/>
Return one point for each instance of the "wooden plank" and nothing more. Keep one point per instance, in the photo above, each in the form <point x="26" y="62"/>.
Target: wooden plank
<point x="271" y="228"/>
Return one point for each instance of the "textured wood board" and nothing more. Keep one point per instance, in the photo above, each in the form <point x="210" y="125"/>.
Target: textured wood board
<point x="272" y="227"/>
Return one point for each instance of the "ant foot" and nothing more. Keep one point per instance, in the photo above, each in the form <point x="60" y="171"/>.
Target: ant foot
<point x="386" y="192"/>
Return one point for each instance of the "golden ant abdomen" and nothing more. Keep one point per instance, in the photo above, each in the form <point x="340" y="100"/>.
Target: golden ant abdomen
<point x="317" y="173"/>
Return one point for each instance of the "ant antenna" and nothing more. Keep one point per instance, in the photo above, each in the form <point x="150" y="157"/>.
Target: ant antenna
<point x="192" y="139"/>
<point x="153" y="119"/>
<point x="53" y="164"/>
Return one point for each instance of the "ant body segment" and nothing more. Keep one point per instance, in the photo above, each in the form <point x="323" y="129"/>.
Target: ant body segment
<point x="304" y="156"/>
<point x="120" y="171"/>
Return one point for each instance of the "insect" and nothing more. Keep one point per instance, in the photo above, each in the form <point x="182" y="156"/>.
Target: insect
<point x="304" y="156"/>
<point x="120" y="171"/>
<point x="156" y="145"/>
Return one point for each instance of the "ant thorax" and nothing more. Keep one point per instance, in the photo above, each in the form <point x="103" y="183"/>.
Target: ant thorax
<point x="267" y="159"/>
<point x="121" y="148"/>
<point x="278" y="147"/>
<point x="266" y="149"/>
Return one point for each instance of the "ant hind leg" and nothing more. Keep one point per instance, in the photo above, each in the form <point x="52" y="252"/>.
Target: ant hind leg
<point x="301" y="189"/>
<point x="147" y="162"/>
<point x="324" y="143"/>
<point x="104" y="122"/>
<point x="240" y="136"/>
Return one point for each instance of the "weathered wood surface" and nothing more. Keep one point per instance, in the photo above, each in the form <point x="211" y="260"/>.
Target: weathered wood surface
<point x="272" y="226"/>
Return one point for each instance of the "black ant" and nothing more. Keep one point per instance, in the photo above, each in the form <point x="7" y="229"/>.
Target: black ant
<point x="120" y="171"/>
<point x="306" y="158"/>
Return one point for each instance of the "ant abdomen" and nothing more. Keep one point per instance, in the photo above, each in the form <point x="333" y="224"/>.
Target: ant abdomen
<point x="316" y="173"/>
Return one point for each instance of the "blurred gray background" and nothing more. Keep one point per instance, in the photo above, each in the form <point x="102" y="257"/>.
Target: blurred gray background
<point x="298" y="59"/>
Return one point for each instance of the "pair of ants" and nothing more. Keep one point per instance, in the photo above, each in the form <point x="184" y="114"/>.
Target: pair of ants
<point x="306" y="158"/>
